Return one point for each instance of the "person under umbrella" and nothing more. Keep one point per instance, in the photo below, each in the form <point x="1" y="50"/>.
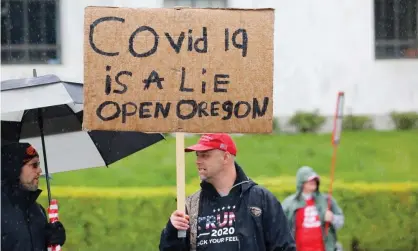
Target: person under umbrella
<point x="24" y="224"/>
<point x="53" y="124"/>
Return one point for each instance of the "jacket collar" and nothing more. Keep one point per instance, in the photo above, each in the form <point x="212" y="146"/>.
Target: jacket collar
<point x="21" y="197"/>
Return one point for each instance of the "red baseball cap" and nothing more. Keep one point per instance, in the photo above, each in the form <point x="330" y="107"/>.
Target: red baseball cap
<point x="210" y="141"/>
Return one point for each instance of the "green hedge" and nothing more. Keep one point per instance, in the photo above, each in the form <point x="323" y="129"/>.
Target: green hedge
<point x="379" y="220"/>
<point x="405" y="120"/>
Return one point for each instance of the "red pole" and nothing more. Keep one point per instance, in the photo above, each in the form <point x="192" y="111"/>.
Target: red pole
<point x="53" y="217"/>
<point x="335" y="140"/>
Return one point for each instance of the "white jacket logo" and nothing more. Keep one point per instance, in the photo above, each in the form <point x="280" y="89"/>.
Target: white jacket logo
<point x="256" y="211"/>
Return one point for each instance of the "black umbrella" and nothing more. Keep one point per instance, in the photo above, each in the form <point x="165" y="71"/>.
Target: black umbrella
<point x="47" y="113"/>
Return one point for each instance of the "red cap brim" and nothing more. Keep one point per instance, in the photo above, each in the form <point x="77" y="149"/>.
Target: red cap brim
<point x="198" y="147"/>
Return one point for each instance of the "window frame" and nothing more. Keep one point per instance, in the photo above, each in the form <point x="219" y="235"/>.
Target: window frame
<point x="193" y="3"/>
<point x="26" y="47"/>
<point x="397" y="42"/>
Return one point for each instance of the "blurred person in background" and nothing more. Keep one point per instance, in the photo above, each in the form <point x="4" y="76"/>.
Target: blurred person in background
<point x="307" y="212"/>
<point x="230" y="212"/>
<point x="24" y="224"/>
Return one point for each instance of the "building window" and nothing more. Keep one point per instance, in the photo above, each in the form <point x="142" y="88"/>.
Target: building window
<point x="396" y="33"/>
<point x="196" y="3"/>
<point x="29" y="32"/>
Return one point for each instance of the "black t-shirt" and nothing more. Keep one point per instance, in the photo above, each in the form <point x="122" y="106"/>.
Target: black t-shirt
<point x="216" y="225"/>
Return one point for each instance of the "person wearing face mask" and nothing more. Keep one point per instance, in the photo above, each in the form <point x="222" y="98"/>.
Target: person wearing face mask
<point x="307" y="212"/>
<point x="24" y="224"/>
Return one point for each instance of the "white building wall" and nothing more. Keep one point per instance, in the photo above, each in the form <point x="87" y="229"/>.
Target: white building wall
<point x="321" y="47"/>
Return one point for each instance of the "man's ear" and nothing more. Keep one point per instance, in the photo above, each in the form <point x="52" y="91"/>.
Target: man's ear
<point x="227" y="157"/>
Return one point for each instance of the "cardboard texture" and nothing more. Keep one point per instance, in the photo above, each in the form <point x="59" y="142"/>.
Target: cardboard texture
<point x="178" y="70"/>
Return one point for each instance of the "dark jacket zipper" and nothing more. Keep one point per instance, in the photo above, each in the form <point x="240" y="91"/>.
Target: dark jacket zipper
<point x="30" y="232"/>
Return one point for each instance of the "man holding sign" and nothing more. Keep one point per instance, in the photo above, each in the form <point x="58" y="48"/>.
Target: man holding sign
<point x="230" y="212"/>
<point x="192" y="70"/>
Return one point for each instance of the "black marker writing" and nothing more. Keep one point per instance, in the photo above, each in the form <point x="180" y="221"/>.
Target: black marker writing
<point x="144" y="111"/>
<point x="108" y="81"/>
<point x="203" y="39"/>
<point x="190" y="115"/>
<point x="125" y="88"/>
<point x="242" y="105"/>
<point x="227" y="106"/>
<point x="256" y="107"/>
<point x="199" y="44"/>
<point x="240" y="109"/>
<point x="183" y="78"/>
<point x="102" y="106"/>
<point x="176" y="46"/>
<point x="153" y="78"/>
<point x="185" y="109"/>
<point x="190" y="45"/>
<point x="91" y="33"/>
<point x="159" y="108"/>
<point x="194" y="42"/>
<point x="244" y="40"/>
<point x="126" y="112"/>
<point x="214" y="107"/>
<point x="129" y="109"/>
<point x="219" y="82"/>
<point x="202" y="109"/>
<point x="150" y="51"/>
<point x="203" y="82"/>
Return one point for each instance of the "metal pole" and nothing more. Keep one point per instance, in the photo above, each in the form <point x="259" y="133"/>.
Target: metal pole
<point x="41" y="128"/>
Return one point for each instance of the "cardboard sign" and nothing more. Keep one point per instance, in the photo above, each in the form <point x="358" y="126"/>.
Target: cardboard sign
<point x="178" y="70"/>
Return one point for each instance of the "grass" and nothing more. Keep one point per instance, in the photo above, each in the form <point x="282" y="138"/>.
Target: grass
<point x="369" y="156"/>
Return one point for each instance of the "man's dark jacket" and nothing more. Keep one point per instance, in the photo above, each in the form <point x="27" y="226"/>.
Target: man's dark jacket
<point x="268" y="232"/>
<point x="23" y="221"/>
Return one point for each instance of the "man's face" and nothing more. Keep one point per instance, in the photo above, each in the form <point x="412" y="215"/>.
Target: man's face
<point x="29" y="176"/>
<point x="210" y="163"/>
<point x="310" y="186"/>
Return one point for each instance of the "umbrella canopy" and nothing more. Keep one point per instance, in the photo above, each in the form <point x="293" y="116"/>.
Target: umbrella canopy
<point x="20" y="95"/>
<point x="47" y="113"/>
<point x="67" y="146"/>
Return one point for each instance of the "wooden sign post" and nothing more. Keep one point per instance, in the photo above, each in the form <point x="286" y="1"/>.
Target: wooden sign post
<point x="181" y="175"/>
<point x="180" y="70"/>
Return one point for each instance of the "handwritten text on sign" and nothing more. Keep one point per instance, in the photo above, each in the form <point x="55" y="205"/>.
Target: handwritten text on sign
<point x="168" y="70"/>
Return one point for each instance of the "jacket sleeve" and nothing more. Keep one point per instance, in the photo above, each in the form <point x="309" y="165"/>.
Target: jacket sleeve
<point x="277" y="234"/>
<point x="169" y="240"/>
<point x="285" y="205"/>
<point x="338" y="219"/>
